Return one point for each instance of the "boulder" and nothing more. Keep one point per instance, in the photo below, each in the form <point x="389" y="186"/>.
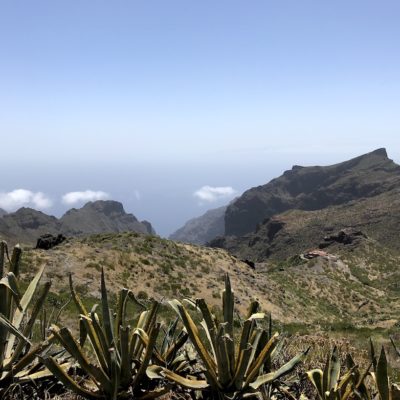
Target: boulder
<point x="48" y="241"/>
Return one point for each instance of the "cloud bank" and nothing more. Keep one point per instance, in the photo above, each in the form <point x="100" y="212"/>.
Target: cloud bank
<point x="84" y="196"/>
<point x="211" y="194"/>
<point x="11" y="201"/>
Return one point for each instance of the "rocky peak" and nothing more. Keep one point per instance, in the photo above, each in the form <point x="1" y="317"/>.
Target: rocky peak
<point x="313" y="188"/>
<point x="107" y="207"/>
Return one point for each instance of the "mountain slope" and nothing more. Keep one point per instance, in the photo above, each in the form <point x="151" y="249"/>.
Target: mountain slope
<point x="356" y="287"/>
<point x="313" y="188"/>
<point x="296" y="231"/>
<point x="26" y="224"/>
<point x="202" y="229"/>
<point x="2" y="212"/>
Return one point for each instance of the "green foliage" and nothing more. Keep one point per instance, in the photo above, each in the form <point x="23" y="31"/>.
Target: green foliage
<point x="229" y="372"/>
<point x="122" y="353"/>
<point x="18" y="314"/>
<point x="331" y="386"/>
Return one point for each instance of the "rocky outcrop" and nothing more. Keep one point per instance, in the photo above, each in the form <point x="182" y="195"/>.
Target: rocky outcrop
<point x="149" y="227"/>
<point x="48" y="241"/>
<point x="348" y="236"/>
<point x="202" y="229"/>
<point x="98" y="217"/>
<point x="313" y="188"/>
<point x="26" y="224"/>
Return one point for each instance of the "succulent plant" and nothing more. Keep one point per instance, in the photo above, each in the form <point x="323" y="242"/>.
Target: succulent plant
<point x="230" y="371"/>
<point x="122" y="353"/>
<point x="18" y="314"/>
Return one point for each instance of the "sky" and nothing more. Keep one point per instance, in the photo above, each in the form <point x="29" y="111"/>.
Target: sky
<point x="174" y="107"/>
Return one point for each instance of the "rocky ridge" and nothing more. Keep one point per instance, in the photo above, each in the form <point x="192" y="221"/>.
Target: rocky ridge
<point x="26" y="224"/>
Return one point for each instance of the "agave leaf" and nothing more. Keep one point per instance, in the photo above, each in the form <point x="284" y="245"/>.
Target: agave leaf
<point x="15" y="260"/>
<point x="228" y="304"/>
<point x="106" y="313"/>
<point x="64" y="336"/>
<point x="95" y="342"/>
<point x="126" y="373"/>
<point x="27" y="359"/>
<point x="334" y="369"/>
<point x="254" y="370"/>
<point x="223" y="358"/>
<point x="241" y="367"/>
<point x="21" y="346"/>
<point x="381" y="376"/>
<point x="284" y="370"/>
<point x="209" y="324"/>
<point x="157" y="372"/>
<point x="4" y="322"/>
<point x="59" y="372"/>
<point x="316" y="376"/>
<point x="197" y="343"/>
<point x="81" y="308"/>
<point x="20" y="313"/>
<point x="11" y="283"/>
<point x="147" y="355"/>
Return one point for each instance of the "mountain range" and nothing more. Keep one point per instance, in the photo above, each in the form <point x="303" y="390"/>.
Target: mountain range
<point x="26" y="224"/>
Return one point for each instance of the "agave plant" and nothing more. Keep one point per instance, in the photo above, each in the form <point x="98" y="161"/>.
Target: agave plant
<point x="172" y="353"/>
<point x="380" y="376"/>
<point x="331" y="386"/>
<point x="230" y="371"/>
<point x="122" y="353"/>
<point x="18" y="314"/>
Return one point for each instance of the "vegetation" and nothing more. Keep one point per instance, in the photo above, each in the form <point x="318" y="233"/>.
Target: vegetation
<point x="124" y="351"/>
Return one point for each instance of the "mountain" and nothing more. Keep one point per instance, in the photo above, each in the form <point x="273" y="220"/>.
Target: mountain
<point x="2" y="212"/>
<point x="26" y="224"/>
<point x="100" y="216"/>
<point x="202" y="229"/>
<point x="308" y="204"/>
<point x="313" y="188"/>
<point x="296" y="231"/>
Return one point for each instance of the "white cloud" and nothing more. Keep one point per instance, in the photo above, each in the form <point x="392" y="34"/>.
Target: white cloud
<point x="11" y="201"/>
<point x="84" y="196"/>
<point x="211" y="194"/>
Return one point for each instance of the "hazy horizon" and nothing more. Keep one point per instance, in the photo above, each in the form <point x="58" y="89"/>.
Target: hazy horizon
<point x="176" y="107"/>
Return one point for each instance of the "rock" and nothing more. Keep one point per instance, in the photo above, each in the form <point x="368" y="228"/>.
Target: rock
<point x="48" y="241"/>
<point x="345" y="236"/>
<point x="251" y="264"/>
<point x="149" y="227"/>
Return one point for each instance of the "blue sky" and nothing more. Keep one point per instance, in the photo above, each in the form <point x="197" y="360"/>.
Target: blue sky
<point x="149" y="101"/>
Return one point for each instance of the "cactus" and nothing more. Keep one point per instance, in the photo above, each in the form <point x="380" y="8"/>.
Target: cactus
<point x="122" y="353"/>
<point x="229" y="372"/>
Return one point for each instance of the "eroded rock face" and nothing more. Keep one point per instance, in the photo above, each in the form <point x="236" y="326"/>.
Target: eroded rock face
<point x="345" y="236"/>
<point x="313" y="188"/>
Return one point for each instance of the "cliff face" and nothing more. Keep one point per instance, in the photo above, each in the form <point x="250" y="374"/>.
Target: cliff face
<point x="313" y="188"/>
<point x="202" y="229"/>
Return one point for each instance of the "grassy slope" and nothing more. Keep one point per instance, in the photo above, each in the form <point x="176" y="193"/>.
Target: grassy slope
<point x="352" y="290"/>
